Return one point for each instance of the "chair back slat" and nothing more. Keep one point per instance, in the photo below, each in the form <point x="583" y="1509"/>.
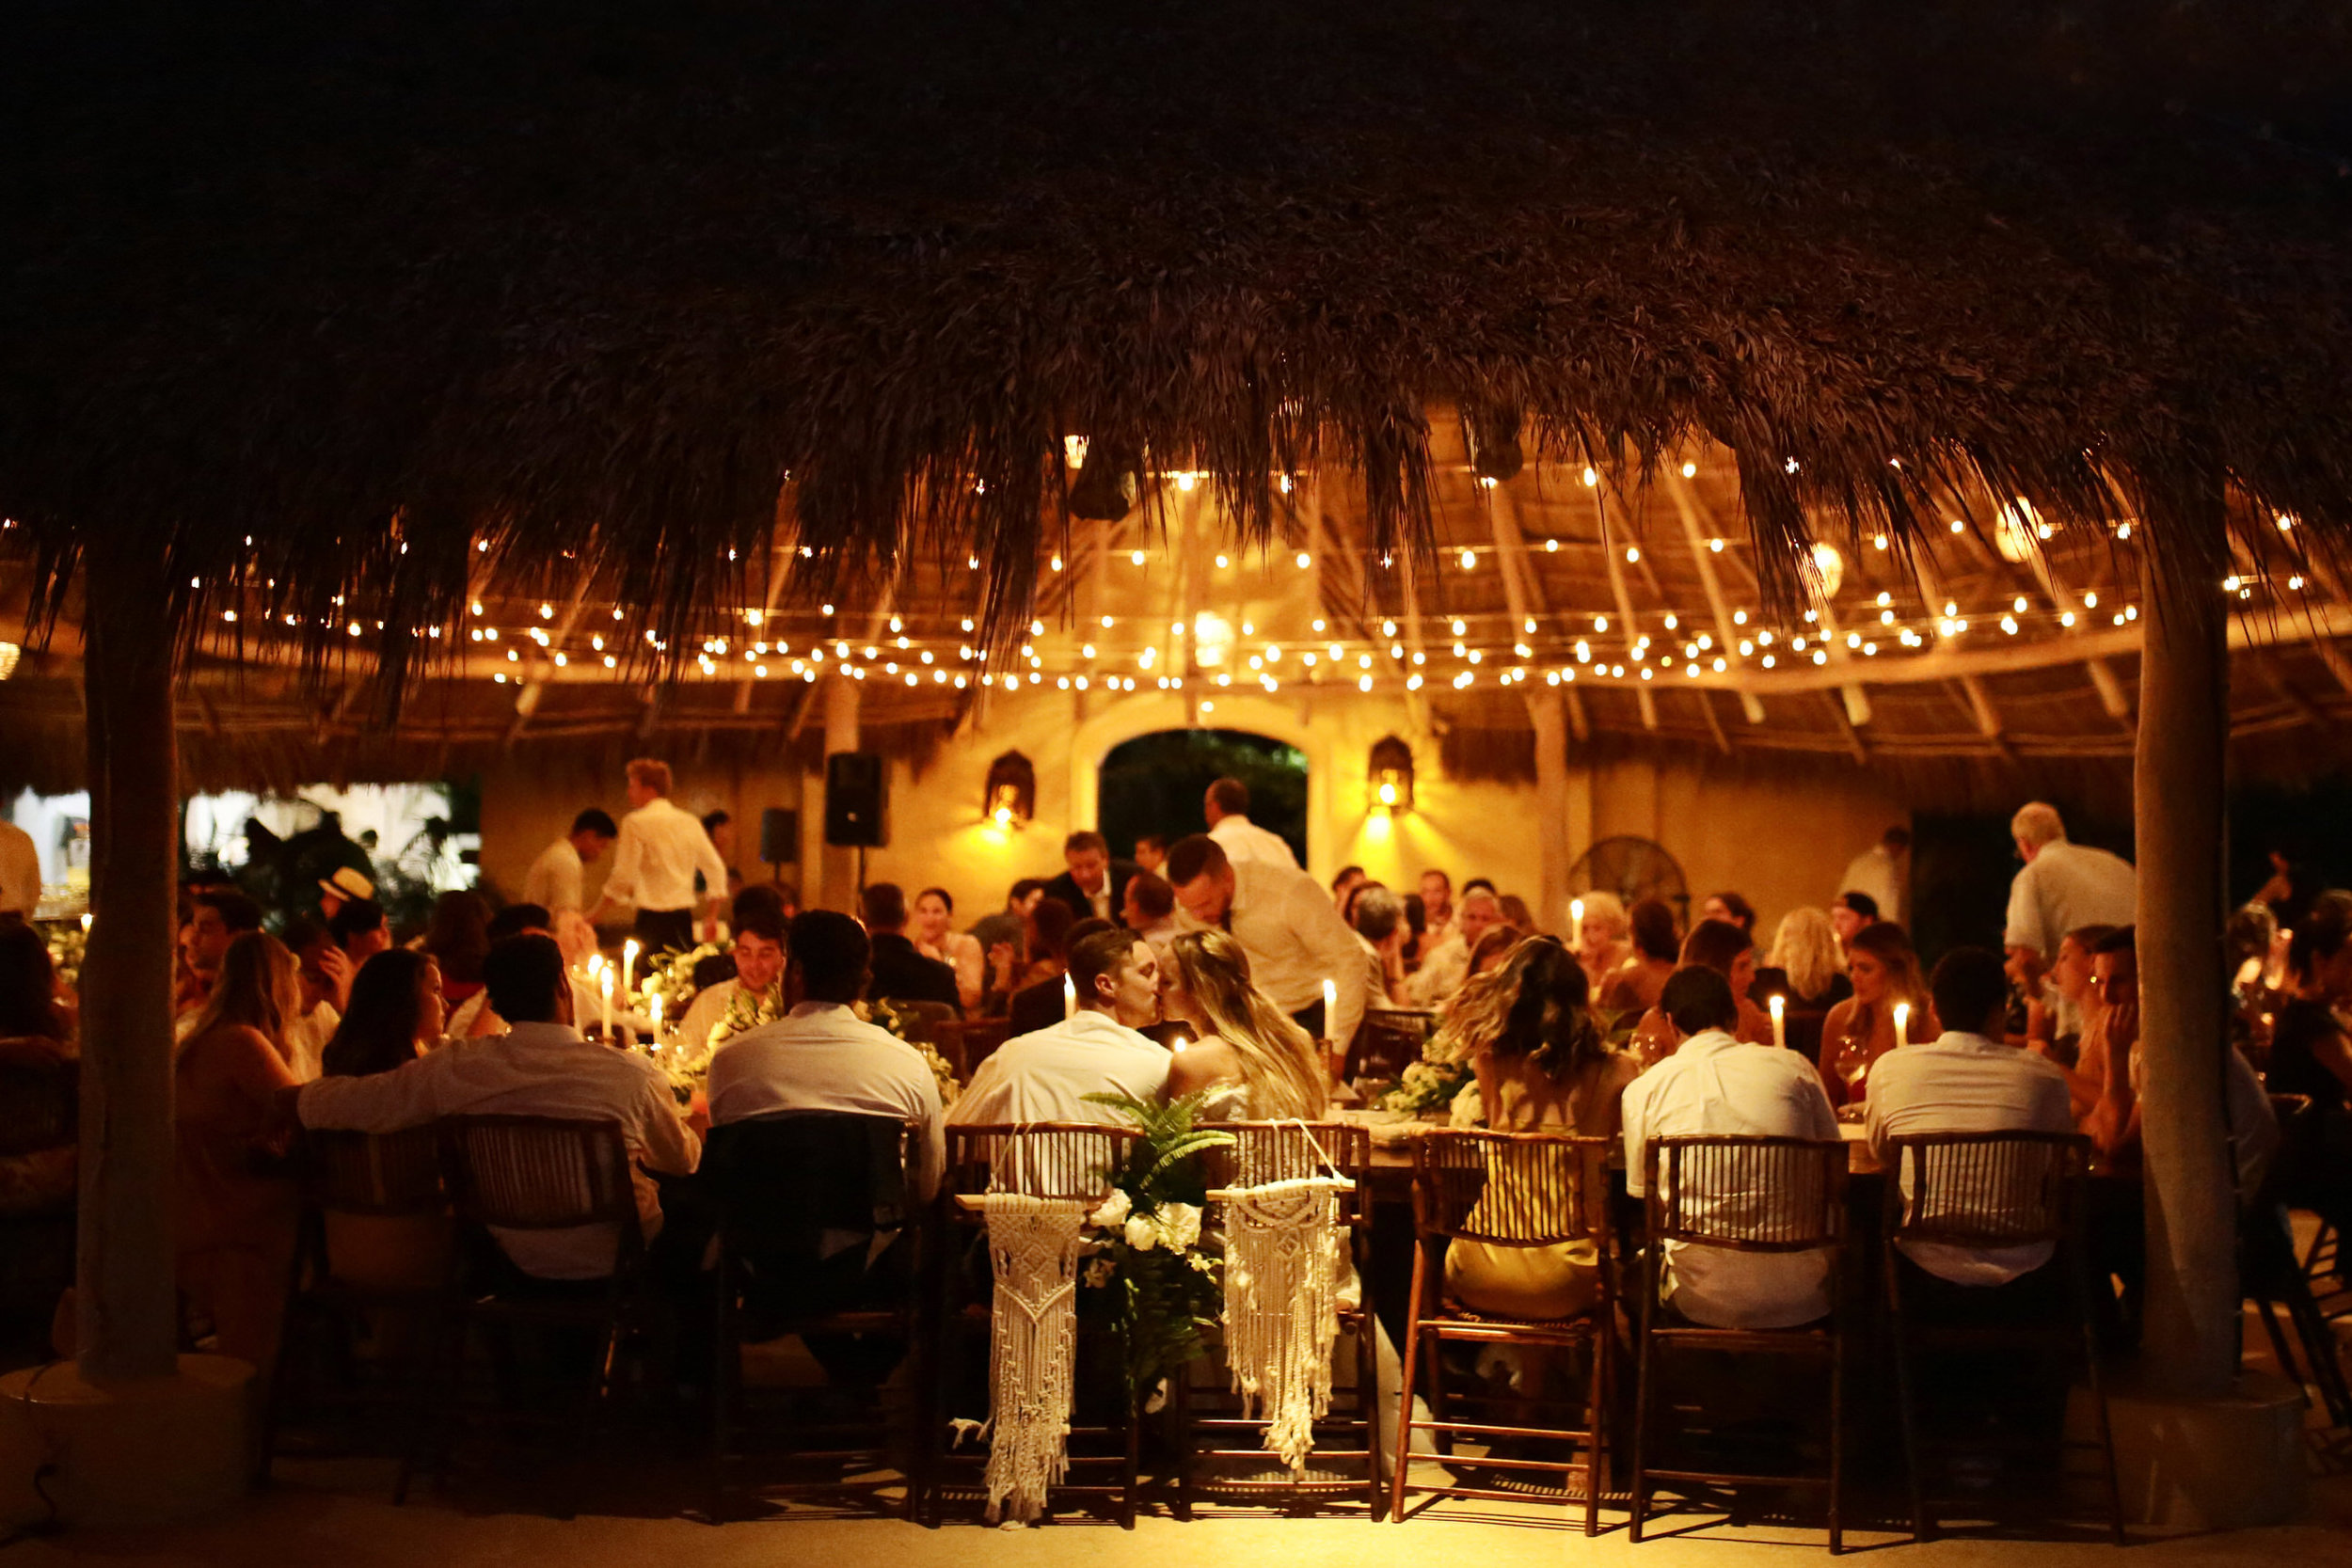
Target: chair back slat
<point x="1747" y="1193"/>
<point x="1041" y="1159"/>
<point x="537" y="1173"/>
<point x="1510" y="1189"/>
<point x="781" y="1181"/>
<point x="1268" y="1152"/>
<point x="373" y="1173"/>
<point x="1982" y="1190"/>
<point x="1388" y="1042"/>
<point x="39" y="1101"/>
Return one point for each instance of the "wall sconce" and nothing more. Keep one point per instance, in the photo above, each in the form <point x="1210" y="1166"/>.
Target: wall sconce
<point x="1392" y="776"/>
<point x="1010" y="799"/>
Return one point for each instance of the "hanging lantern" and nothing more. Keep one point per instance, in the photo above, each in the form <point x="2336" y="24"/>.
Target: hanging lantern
<point x="1010" y="800"/>
<point x="1392" y="775"/>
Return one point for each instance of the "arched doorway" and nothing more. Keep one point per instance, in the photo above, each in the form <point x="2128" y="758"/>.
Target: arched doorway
<point x="1154" y="785"/>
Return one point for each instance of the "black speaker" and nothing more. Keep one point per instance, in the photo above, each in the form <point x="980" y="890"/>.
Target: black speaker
<point x="855" y="801"/>
<point x="779" y="837"/>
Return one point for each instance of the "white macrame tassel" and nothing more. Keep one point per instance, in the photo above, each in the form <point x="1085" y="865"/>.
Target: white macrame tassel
<point x="1281" y="1307"/>
<point x="1033" y="1243"/>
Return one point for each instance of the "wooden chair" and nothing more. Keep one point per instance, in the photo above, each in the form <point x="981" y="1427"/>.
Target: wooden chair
<point x="1386" y="1042"/>
<point x="535" y="1174"/>
<point x="359" y="1176"/>
<point x="1981" y="1191"/>
<point x="2273" y="1278"/>
<point x="1043" y="1159"/>
<point x="1761" y="1195"/>
<point x="1262" y="1152"/>
<point x="1508" y="1189"/>
<point x="926" y="1019"/>
<point x="791" y="1190"/>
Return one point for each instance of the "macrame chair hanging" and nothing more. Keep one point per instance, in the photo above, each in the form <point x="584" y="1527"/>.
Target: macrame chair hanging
<point x="1283" y="1244"/>
<point x="1033" y="1245"/>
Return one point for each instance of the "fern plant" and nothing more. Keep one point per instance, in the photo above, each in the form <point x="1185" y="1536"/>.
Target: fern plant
<point x="1151" y="1280"/>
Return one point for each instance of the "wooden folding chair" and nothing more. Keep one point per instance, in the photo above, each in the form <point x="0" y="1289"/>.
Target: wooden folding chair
<point x="1263" y="1152"/>
<point x="1983" y="1191"/>
<point x="1386" y="1042"/>
<point x="1519" y="1190"/>
<point x="1761" y="1195"/>
<point x="2273" y="1278"/>
<point x="1042" y="1159"/>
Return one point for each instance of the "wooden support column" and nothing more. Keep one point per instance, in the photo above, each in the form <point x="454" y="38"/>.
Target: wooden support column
<point x="1548" y="714"/>
<point x="126" y="1301"/>
<point x="837" y="878"/>
<point x="2192" y="1322"/>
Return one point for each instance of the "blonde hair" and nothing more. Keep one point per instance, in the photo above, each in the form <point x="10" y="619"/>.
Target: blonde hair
<point x="1606" y="910"/>
<point x="1277" y="1060"/>
<point x="650" y="774"/>
<point x="2037" y="823"/>
<point x="259" y="988"/>
<point x="1805" y="949"/>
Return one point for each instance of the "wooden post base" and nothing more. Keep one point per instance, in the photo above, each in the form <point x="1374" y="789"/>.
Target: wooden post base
<point x="2211" y="1463"/>
<point x="124" y="1454"/>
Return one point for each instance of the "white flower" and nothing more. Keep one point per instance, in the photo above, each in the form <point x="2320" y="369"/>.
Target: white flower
<point x="1111" y="1213"/>
<point x="1179" y="1224"/>
<point x="1202" y="1263"/>
<point x="1141" y="1233"/>
<point x="1099" y="1272"/>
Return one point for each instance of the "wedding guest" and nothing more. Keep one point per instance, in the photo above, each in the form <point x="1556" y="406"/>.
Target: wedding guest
<point x="1046" y="944"/>
<point x="558" y="879"/>
<point x="325" y="973"/>
<point x="1151" y="853"/>
<point x="1517" y="915"/>
<point x="1046" y="999"/>
<point x="396" y="1014"/>
<point x="819" y="1056"/>
<point x="935" y="937"/>
<point x="1726" y="949"/>
<point x="1489" y="953"/>
<point x="348" y="884"/>
<point x="1253" y="1063"/>
<point x="1806" y="964"/>
<point x="36" y="1027"/>
<point x="1713" y="1084"/>
<point x="1861" y="1029"/>
<point x="755" y="995"/>
<point x="1285" y="921"/>
<point x="459" y="937"/>
<point x="1542" y="1065"/>
<point x="660" y="851"/>
<point x="540" y="1067"/>
<point x="219" y="917"/>
<point x="20" y="871"/>
<point x="897" y="972"/>
<point x="233" y="1220"/>
<point x="1046" y="1075"/>
<point x="1007" y="929"/>
<point x="1347" y="882"/>
<point x="1150" y="911"/>
<point x="1226" y="809"/>
<point x="1601" y="944"/>
<point x="1636" y="986"/>
<point x="32" y="1007"/>
<point x="1479" y="884"/>
<point x="1444" y="967"/>
<point x="474" y="1016"/>
<point x="1850" y="913"/>
<point x="1092" y="883"/>
<point x="719" y="827"/>
<point x="359" y="929"/>
<point x="2059" y="1009"/>
<point x="1380" y="927"/>
<point x="1883" y="872"/>
<point x="1732" y="908"/>
<point x="1437" y="910"/>
<point x="2061" y="885"/>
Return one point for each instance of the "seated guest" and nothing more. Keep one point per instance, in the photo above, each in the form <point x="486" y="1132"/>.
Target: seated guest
<point x="1447" y="965"/>
<point x="1851" y="913"/>
<point x="1094" y="884"/>
<point x="1151" y="853"/>
<point x="1636" y="987"/>
<point x="475" y="1015"/>
<point x="1726" y="949"/>
<point x="235" y="1219"/>
<point x="459" y="937"/>
<point x="1150" y="911"/>
<point x="1295" y="940"/>
<point x="1380" y="927"/>
<point x="540" y="1067"/>
<point x="326" y="975"/>
<point x="1806" y="964"/>
<point x="1602" y="945"/>
<point x="819" y="1056"/>
<point x="935" y="937"/>
<point x="1009" y="925"/>
<point x="1713" y="1084"/>
<point x="1047" y="1001"/>
<point x="2059" y="1007"/>
<point x="1047" y="939"/>
<point x="1543" y="1067"/>
<point x="754" y="994"/>
<point x="1967" y="1080"/>
<point x="1517" y="915"/>
<point x="1478" y="884"/>
<point x="1254" y="1063"/>
<point x="1046" y="1075"/>
<point x="360" y="930"/>
<point x="1348" y="881"/>
<point x="899" y="973"/>
<point x="218" y="916"/>
<point x="1489" y="953"/>
<point x="1861" y="1029"/>
<point x="396" y="1015"/>
<point x="1729" y="907"/>
<point x="35" y="1027"/>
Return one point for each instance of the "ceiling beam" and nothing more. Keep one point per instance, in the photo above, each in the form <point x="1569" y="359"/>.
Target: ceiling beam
<point x="1609" y="547"/>
<point x="1687" y="504"/>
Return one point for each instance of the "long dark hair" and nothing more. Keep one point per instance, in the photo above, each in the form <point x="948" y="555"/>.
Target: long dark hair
<point x="1538" y="1005"/>
<point x="380" y="1031"/>
<point x="28" y="998"/>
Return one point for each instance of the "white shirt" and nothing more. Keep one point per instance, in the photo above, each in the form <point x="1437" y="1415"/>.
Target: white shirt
<point x="822" y="1056"/>
<point x="1046" y="1076"/>
<point x="1442" y="972"/>
<point x="703" y="1014"/>
<point x="305" y="1040"/>
<point x="1876" y="872"/>
<point x="2065" y="887"/>
<point x="659" y="849"/>
<point x="1244" y="840"/>
<point x="1161" y="932"/>
<point x="558" y="878"/>
<point x="533" y="1069"/>
<point x="2254" y="1135"/>
<point x="1963" y="1083"/>
<point x="1295" y="941"/>
<point x="1713" y="1084"/>
<point x="20" y="871"/>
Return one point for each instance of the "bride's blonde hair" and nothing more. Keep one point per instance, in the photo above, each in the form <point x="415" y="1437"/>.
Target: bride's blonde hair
<point x="1277" y="1060"/>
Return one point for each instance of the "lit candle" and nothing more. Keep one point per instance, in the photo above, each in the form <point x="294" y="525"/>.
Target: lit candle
<point x="1177" y="1045"/>
<point x="1780" y="1022"/>
<point x="86" y="920"/>
<point x="628" y="967"/>
<point x="1330" y="1006"/>
<point x="604" y="984"/>
<point x="1069" y="997"/>
<point x="653" y="1008"/>
<point x="1903" y="1025"/>
<point x="1576" y="923"/>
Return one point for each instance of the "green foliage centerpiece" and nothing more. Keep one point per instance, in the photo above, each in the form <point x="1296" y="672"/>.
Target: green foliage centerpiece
<point x="1151" y="1280"/>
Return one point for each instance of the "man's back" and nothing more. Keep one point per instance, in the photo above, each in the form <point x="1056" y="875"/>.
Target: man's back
<point x="821" y="1058"/>
<point x="1046" y="1076"/>
<point x="902" y="974"/>
<point x="557" y="879"/>
<point x="1244" y="840"/>
<point x="2066" y="887"/>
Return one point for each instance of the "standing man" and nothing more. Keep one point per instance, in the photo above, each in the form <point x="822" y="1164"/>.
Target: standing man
<point x="2061" y="887"/>
<point x="660" y="849"/>
<point x="1285" y="921"/>
<point x="1852" y="910"/>
<point x="1151" y="853"/>
<point x="1883" y="872"/>
<point x="558" y="878"/>
<point x="1095" y="885"/>
<point x="20" y="871"/>
<point x="1226" y="809"/>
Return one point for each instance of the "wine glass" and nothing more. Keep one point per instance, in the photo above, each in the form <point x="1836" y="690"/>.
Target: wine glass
<point x="1852" y="1064"/>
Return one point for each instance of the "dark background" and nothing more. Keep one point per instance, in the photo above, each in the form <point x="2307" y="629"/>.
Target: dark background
<point x="1154" y="785"/>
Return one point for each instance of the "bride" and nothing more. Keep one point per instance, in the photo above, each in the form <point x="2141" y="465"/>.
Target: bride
<point x="1256" y="1064"/>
